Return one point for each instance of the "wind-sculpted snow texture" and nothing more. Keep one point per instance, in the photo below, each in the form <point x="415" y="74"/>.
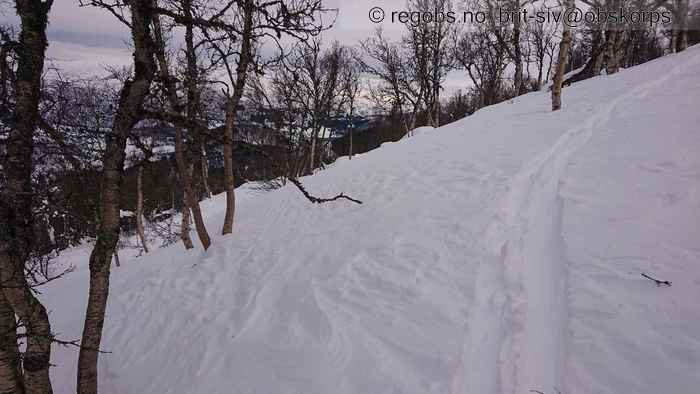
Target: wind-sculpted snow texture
<point x="498" y="254"/>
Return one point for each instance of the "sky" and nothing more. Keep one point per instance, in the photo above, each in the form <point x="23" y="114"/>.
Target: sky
<point x="84" y="41"/>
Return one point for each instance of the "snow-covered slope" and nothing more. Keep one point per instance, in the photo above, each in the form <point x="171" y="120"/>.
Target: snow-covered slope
<point x="498" y="254"/>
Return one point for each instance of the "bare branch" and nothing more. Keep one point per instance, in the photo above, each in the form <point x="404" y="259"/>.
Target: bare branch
<point x="658" y="282"/>
<point x="318" y="200"/>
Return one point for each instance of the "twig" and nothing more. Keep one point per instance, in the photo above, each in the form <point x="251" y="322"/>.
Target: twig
<point x="76" y="343"/>
<point x="65" y="343"/>
<point x="658" y="282"/>
<point x="318" y="200"/>
<point x="536" y="391"/>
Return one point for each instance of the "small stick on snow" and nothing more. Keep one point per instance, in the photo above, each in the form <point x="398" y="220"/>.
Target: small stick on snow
<point x="658" y="282"/>
<point x="536" y="391"/>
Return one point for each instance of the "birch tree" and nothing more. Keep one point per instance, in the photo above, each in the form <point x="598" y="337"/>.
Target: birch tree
<point x="129" y="112"/>
<point x="317" y="75"/>
<point x="401" y="70"/>
<point x="436" y="38"/>
<point x="679" y="30"/>
<point x="16" y="215"/>
<point x="562" y="58"/>
<point x="189" y="111"/>
<point x="351" y="85"/>
<point x="540" y="38"/>
<point x="484" y="60"/>
<point x="249" y="24"/>
<point x="507" y="26"/>
<point x="183" y="174"/>
<point x="139" y="209"/>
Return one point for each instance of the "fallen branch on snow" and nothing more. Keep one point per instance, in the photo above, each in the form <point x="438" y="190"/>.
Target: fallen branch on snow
<point x="320" y="200"/>
<point x="542" y="392"/>
<point x="658" y="282"/>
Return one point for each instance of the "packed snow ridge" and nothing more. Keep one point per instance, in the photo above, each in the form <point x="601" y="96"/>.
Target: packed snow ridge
<point x="498" y="254"/>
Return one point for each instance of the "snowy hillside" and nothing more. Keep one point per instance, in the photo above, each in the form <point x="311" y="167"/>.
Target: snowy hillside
<point x="499" y="254"/>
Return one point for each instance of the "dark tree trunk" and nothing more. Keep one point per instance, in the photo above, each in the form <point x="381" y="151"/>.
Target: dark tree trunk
<point x="612" y="48"/>
<point x="681" y="23"/>
<point x="205" y="172"/>
<point x="517" y="53"/>
<point x="129" y="112"/>
<point x="139" y="209"/>
<point x="231" y="107"/>
<point x="540" y="66"/>
<point x="16" y="231"/>
<point x="10" y="367"/>
<point x="195" y="147"/>
<point x="189" y="200"/>
<point x="229" y="180"/>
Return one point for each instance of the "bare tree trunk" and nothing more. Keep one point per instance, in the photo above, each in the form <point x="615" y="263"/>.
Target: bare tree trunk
<point x="231" y="107"/>
<point x="193" y="203"/>
<point x="683" y="40"/>
<point x="187" y="193"/>
<point x="681" y="25"/>
<point x="350" y="147"/>
<point x="185" y="214"/>
<point x="613" y="39"/>
<point x="229" y="180"/>
<point x="189" y="199"/>
<point x="436" y="105"/>
<point x="299" y="161"/>
<point x="612" y="47"/>
<point x="190" y="202"/>
<point x="561" y="61"/>
<point x="676" y="6"/>
<point x="10" y="367"/>
<point x="540" y="67"/>
<point x="205" y="173"/>
<point x="430" y="109"/>
<point x="139" y="208"/>
<point x="16" y="216"/>
<point x="549" y="67"/>
<point x="412" y="123"/>
<point x="129" y="112"/>
<point x="598" y="55"/>
<point x="193" y="108"/>
<point x="674" y="37"/>
<point x="38" y="354"/>
<point x="185" y="227"/>
<point x="312" y="156"/>
<point x="517" y="52"/>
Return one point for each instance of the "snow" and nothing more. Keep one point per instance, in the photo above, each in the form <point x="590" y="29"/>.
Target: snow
<point x="498" y="254"/>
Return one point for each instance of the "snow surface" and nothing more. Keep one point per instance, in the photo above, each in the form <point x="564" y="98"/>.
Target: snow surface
<point x="498" y="254"/>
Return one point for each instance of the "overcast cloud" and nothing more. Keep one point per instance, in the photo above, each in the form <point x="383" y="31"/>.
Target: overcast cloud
<point x="85" y="40"/>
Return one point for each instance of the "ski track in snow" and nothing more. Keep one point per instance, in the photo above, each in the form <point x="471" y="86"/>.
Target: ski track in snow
<point x="450" y="278"/>
<point x="519" y="318"/>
